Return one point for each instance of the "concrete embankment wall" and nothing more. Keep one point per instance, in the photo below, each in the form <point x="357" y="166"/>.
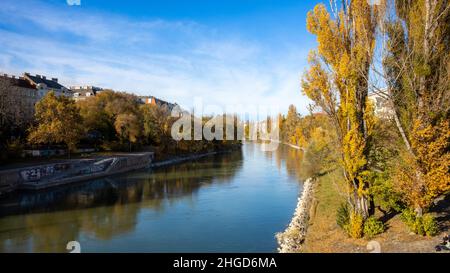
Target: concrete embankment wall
<point x="50" y="175"/>
<point x="9" y="181"/>
<point x="291" y="240"/>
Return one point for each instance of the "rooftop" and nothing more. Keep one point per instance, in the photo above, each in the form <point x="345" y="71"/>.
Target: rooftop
<point x="86" y="88"/>
<point x="18" y="81"/>
<point x="50" y="83"/>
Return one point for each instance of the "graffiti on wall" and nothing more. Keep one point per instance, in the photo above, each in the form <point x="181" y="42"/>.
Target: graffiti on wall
<point x="37" y="173"/>
<point x="62" y="170"/>
<point x="40" y="172"/>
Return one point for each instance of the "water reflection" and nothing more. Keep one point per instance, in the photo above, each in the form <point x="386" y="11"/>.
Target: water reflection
<point x="289" y="159"/>
<point x="169" y="182"/>
<point x="246" y="201"/>
<point x="109" y="196"/>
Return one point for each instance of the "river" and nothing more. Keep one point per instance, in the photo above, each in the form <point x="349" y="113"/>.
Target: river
<point x="231" y="202"/>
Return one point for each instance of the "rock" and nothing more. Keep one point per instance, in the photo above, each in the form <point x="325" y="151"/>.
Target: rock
<point x="293" y="237"/>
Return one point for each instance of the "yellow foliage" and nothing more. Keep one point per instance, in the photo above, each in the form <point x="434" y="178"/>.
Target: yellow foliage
<point x="345" y="48"/>
<point x="355" y="227"/>
<point x="353" y="153"/>
<point x="58" y="121"/>
<point x="425" y="176"/>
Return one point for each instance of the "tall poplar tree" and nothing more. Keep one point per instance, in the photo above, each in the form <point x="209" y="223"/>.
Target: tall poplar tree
<point x="417" y="71"/>
<point x="337" y="81"/>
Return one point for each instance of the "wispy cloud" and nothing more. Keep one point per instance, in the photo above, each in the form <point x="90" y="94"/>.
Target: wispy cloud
<point x="174" y="60"/>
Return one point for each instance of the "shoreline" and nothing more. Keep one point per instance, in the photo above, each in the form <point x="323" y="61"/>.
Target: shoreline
<point x="293" y="237"/>
<point x="180" y="159"/>
<point x="285" y="143"/>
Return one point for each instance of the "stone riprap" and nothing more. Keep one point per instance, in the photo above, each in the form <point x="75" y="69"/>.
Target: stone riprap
<point x="291" y="240"/>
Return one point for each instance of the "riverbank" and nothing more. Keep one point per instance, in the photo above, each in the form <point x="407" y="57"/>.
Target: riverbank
<point x="176" y="159"/>
<point x="46" y="175"/>
<point x="285" y="143"/>
<point x="325" y="236"/>
<point x="291" y="240"/>
<point x="180" y="159"/>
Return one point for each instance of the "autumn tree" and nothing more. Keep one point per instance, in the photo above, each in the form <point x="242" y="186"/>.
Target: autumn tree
<point x="128" y="128"/>
<point x="247" y="130"/>
<point x="290" y="124"/>
<point x="58" y="120"/>
<point x="95" y="118"/>
<point x="337" y="81"/>
<point x="157" y="123"/>
<point x="416" y="68"/>
<point x="106" y="113"/>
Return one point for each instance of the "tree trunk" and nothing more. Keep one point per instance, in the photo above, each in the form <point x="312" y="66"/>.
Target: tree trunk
<point x="426" y="57"/>
<point x="402" y="131"/>
<point x="419" y="211"/>
<point x="361" y="205"/>
<point x="371" y="206"/>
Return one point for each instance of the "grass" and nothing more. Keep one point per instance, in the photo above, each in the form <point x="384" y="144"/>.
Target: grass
<point x="325" y="236"/>
<point x="327" y="192"/>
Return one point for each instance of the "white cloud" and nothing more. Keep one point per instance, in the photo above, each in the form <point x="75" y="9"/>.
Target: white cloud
<point x="176" y="61"/>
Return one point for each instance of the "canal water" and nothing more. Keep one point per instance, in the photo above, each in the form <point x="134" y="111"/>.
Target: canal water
<point x="232" y="202"/>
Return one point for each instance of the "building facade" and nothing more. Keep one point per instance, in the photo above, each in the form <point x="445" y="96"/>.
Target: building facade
<point x="82" y="92"/>
<point x="45" y="85"/>
<point x="155" y="101"/>
<point x="383" y="108"/>
<point x="18" y="100"/>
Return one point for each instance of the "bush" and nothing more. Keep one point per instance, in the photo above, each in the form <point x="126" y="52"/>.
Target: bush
<point x="351" y="222"/>
<point x="343" y="216"/>
<point x="430" y="225"/>
<point x="373" y="227"/>
<point x="409" y="217"/>
<point x="355" y="227"/>
<point x="422" y="225"/>
<point x="354" y="224"/>
<point x="413" y="222"/>
<point x="383" y="192"/>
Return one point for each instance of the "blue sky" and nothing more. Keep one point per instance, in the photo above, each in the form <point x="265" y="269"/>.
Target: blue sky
<point x="224" y="51"/>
